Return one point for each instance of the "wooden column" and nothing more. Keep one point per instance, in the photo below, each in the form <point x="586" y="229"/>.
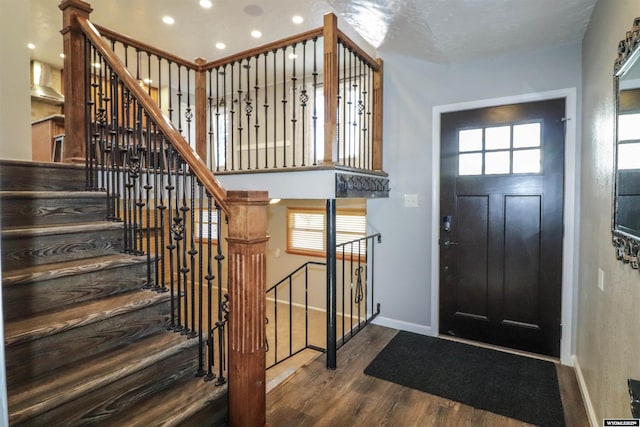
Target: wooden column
<point x="331" y="83"/>
<point x="75" y="124"/>
<point x="377" y="117"/>
<point x="247" y="276"/>
<point x="201" y="111"/>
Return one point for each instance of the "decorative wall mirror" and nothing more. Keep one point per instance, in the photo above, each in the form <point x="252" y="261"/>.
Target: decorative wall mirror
<point x="626" y="197"/>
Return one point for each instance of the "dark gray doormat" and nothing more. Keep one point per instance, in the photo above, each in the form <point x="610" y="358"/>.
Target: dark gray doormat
<point x="514" y="386"/>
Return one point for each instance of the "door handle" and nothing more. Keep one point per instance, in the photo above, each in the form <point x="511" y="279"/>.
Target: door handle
<point x="448" y="243"/>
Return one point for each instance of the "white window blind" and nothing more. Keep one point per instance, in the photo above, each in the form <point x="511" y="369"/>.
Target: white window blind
<point x="306" y="230"/>
<point x="209" y="229"/>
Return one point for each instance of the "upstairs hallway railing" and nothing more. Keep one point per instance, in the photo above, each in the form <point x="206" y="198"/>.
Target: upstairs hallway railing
<point x="167" y="199"/>
<point x="310" y="100"/>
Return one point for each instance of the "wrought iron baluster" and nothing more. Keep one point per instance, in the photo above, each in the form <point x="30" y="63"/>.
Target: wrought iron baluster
<point x="226" y="119"/>
<point x="210" y="98"/>
<point x="239" y="101"/>
<point x="223" y="304"/>
<point x="184" y="269"/>
<point x="304" y="99"/>
<point x="290" y="315"/>
<point x="350" y="120"/>
<point x="284" y="107"/>
<point x="209" y="278"/>
<point x="344" y="269"/>
<point x="179" y="96"/>
<point x="248" y="109"/>
<point x="188" y="114"/>
<point x="170" y="94"/>
<point x="275" y="110"/>
<point x="315" y="101"/>
<point x="161" y="210"/>
<point x="201" y="233"/>
<point x="266" y="113"/>
<point x="232" y="112"/>
<point x="192" y="254"/>
<point x="256" y="125"/>
<point x="294" y="118"/>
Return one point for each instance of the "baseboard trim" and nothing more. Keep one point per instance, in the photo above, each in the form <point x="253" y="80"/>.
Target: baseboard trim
<point x="403" y="326"/>
<point x="591" y="412"/>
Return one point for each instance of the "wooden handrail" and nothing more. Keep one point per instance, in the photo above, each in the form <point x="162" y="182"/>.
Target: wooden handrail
<point x="269" y="47"/>
<point x="129" y="41"/>
<point x="371" y="62"/>
<point x="199" y="168"/>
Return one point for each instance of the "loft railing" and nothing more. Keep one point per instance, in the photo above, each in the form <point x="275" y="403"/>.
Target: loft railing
<point x="167" y="199"/>
<point x="296" y="322"/>
<point x="310" y="100"/>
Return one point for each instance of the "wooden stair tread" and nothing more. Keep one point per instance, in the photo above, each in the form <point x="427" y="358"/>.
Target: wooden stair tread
<point x="54" y="322"/>
<point x="60" y="229"/>
<point x="173" y="405"/>
<point x="67" y="268"/>
<point x="70" y="383"/>
<point x="25" y="194"/>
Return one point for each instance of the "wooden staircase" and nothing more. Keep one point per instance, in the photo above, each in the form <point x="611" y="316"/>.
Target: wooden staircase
<point x="85" y="342"/>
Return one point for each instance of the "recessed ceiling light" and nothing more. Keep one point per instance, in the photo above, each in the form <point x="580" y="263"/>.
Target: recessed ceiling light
<point x="96" y="65"/>
<point x="220" y="45"/>
<point x="256" y="34"/>
<point x="168" y="20"/>
<point x="297" y="19"/>
<point x="31" y="46"/>
<point x="206" y="3"/>
<point x="292" y="56"/>
<point x="147" y="81"/>
<point x="62" y="55"/>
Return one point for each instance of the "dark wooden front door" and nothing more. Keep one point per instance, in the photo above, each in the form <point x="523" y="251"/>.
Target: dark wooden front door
<point x="501" y="207"/>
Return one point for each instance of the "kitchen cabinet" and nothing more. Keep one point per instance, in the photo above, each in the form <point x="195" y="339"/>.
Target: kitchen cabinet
<point x="43" y="132"/>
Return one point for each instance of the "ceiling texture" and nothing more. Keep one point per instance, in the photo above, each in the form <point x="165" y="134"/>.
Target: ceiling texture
<point x="442" y="31"/>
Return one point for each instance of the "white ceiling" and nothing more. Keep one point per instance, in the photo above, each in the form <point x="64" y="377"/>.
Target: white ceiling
<point x="433" y="30"/>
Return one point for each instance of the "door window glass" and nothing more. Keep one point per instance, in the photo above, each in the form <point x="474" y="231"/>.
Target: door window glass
<point x="500" y="150"/>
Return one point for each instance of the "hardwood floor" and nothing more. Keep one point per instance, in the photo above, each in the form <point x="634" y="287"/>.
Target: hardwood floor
<point x="315" y="396"/>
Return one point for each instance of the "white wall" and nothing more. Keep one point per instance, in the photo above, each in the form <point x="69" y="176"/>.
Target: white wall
<point x="411" y="89"/>
<point x="15" y="102"/>
<point x="608" y="342"/>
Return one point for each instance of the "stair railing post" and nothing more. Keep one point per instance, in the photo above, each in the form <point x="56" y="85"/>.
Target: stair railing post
<point x="75" y="90"/>
<point x="331" y="284"/>
<point x="331" y="82"/>
<point x="377" y="117"/>
<point x="201" y="110"/>
<point x="247" y="239"/>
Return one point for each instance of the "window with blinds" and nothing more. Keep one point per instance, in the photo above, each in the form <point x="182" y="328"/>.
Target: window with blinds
<point x="306" y="230"/>
<point x="209" y="229"/>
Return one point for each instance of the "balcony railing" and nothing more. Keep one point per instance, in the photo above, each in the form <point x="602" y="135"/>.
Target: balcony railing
<point x="313" y="99"/>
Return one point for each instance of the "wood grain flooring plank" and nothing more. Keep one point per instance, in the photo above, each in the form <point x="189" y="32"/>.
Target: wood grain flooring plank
<point x="314" y="396"/>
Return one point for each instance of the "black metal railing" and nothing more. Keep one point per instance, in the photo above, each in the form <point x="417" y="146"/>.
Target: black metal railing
<point x="263" y="109"/>
<point x="356" y="285"/>
<point x="289" y="323"/>
<point x="167" y="213"/>
<point x="288" y="311"/>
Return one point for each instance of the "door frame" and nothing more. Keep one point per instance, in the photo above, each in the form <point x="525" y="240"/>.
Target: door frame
<point x="570" y="218"/>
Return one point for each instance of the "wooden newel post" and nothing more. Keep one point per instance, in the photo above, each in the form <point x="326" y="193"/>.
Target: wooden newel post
<point x="377" y="117"/>
<point x="331" y="82"/>
<point x="201" y="111"/>
<point x="247" y="317"/>
<point x="75" y="124"/>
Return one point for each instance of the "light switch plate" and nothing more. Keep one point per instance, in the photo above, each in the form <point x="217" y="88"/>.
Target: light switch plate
<point x="410" y="200"/>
